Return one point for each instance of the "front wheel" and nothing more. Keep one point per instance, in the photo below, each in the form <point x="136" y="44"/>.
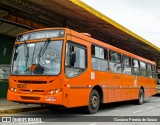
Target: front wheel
<point x="94" y="102"/>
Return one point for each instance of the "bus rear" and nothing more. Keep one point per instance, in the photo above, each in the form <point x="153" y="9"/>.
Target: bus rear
<point x="36" y="67"/>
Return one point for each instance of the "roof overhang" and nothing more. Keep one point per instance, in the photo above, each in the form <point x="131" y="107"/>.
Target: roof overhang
<point x="79" y="16"/>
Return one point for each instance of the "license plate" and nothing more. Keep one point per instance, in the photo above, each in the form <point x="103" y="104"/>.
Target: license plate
<point x="22" y="86"/>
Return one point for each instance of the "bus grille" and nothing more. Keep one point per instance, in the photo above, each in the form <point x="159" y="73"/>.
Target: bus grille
<point x="32" y="82"/>
<point x="30" y="98"/>
<point x="33" y="91"/>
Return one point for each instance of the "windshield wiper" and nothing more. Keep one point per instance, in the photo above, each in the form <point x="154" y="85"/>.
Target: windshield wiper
<point x="39" y="69"/>
<point x="43" y="49"/>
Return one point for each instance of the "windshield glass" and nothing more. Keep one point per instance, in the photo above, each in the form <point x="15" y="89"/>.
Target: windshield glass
<point x="40" y="58"/>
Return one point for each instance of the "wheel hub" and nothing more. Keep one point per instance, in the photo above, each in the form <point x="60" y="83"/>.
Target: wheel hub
<point x="94" y="101"/>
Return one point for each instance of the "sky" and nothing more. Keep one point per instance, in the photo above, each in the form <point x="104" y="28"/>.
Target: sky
<point x="139" y="16"/>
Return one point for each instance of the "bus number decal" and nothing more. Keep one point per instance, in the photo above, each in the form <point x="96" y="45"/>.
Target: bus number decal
<point x="92" y="75"/>
<point x="22" y="86"/>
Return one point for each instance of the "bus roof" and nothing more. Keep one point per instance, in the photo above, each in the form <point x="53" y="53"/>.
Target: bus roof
<point x="107" y="46"/>
<point x="80" y="17"/>
<point x="101" y="43"/>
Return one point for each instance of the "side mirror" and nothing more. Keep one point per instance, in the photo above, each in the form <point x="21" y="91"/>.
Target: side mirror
<point x="73" y="58"/>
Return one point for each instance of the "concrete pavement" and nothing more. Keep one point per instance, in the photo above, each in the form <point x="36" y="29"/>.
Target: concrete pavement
<point x="8" y="107"/>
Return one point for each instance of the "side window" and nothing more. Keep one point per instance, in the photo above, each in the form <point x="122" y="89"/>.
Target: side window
<point x="126" y="65"/>
<point x="135" y="65"/>
<point x="115" y="62"/>
<point x="149" y="68"/>
<point x="99" y="58"/>
<point x="153" y="71"/>
<point x="75" y="62"/>
<point x="143" y="68"/>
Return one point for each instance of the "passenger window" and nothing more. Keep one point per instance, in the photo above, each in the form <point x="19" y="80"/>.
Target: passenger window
<point x="135" y="65"/>
<point x="76" y="59"/>
<point x="143" y="69"/>
<point x="99" y="58"/>
<point x="149" y="68"/>
<point x="153" y="71"/>
<point x="126" y="65"/>
<point x="115" y="62"/>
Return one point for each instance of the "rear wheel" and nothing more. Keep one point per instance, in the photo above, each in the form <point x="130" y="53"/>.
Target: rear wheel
<point x="94" y="102"/>
<point x="140" y="97"/>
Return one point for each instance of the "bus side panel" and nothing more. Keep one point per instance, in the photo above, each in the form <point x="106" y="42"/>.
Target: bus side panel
<point x="153" y="85"/>
<point x="134" y="90"/>
<point x="127" y="83"/>
<point x="114" y="83"/>
<point x="103" y="78"/>
<point x="148" y="89"/>
<point x="143" y="82"/>
<point x="117" y="81"/>
<point x="79" y="96"/>
<point x="79" y="90"/>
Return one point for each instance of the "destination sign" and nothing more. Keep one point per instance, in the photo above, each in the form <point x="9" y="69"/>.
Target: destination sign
<point x="41" y="35"/>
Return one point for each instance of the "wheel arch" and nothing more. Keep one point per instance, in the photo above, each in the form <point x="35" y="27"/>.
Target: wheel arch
<point x="100" y="91"/>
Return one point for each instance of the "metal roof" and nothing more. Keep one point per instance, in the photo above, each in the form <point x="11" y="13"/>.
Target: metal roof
<point x="79" y="16"/>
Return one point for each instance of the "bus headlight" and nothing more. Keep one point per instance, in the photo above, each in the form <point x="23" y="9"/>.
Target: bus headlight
<point x="57" y="90"/>
<point x="51" y="92"/>
<point x="15" y="90"/>
<point x="11" y="89"/>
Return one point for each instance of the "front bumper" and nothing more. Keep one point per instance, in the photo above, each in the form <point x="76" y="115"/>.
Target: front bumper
<point x="55" y="99"/>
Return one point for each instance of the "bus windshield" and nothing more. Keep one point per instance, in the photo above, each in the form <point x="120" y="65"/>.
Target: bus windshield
<point x="40" y="58"/>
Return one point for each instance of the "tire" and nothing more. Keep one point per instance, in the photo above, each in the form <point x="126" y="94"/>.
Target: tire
<point x="94" y="102"/>
<point x="140" y="100"/>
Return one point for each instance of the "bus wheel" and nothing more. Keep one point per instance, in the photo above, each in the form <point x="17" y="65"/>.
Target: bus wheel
<point x="94" y="102"/>
<point x="141" y="97"/>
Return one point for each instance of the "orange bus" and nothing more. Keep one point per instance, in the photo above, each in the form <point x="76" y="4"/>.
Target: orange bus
<point x="59" y="66"/>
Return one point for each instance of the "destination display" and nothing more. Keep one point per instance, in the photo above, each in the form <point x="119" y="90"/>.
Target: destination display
<point x="41" y="35"/>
